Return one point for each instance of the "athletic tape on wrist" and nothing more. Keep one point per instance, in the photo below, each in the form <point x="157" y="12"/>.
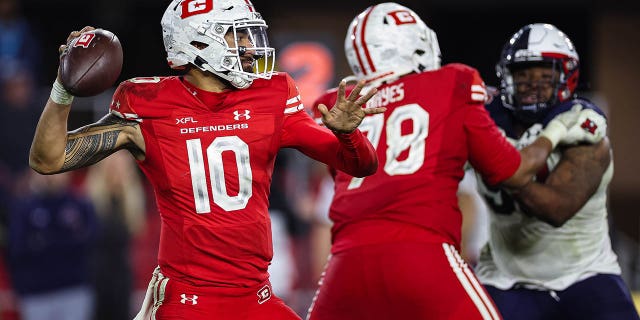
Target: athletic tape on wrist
<point x="59" y="95"/>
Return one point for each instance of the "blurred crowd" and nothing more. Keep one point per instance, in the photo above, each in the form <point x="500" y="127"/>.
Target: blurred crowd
<point x="71" y="243"/>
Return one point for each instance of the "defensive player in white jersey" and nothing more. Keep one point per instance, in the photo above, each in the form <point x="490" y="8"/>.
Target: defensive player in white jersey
<point x="549" y="254"/>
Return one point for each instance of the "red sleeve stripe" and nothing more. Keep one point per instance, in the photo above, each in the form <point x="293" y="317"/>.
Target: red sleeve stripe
<point x="478" y="97"/>
<point x="478" y="93"/>
<point x="126" y="116"/>
<point x="294" y="100"/>
<point x="294" y="109"/>
<point x="478" y="88"/>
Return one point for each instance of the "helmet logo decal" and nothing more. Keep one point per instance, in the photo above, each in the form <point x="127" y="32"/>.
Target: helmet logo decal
<point x="402" y="17"/>
<point x="193" y="7"/>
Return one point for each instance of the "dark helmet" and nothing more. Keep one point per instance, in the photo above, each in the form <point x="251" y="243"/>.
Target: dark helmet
<point x="538" y="44"/>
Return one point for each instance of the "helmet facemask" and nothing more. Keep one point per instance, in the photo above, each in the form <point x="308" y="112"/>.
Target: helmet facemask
<point x="530" y="99"/>
<point x="245" y="44"/>
<point x="230" y="42"/>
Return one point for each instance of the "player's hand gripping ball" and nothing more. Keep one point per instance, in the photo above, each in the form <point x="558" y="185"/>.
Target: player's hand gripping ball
<point x="91" y="63"/>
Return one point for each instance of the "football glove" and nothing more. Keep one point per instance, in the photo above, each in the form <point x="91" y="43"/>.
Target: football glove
<point x="559" y="127"/>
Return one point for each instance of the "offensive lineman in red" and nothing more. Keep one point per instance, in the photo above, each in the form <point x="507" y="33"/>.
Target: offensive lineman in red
<point x="395" y="255"/>
<point x="207" y="142"/>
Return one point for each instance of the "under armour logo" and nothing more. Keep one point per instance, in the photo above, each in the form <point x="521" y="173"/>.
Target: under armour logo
<point x="244" y="115"/>
<point x="589" y="125"/>
<point x="264" y="294"/>
<point x="193" y="299"/>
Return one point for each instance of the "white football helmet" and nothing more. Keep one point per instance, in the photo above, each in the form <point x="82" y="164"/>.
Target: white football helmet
<point x="538" y="44"/>
<point x="194" y="32"/>
<point x="387" y="41"/>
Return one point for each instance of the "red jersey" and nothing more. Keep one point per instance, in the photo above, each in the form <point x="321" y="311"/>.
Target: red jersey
<point x="210" y="162"/>
<point x="435" y="122"/>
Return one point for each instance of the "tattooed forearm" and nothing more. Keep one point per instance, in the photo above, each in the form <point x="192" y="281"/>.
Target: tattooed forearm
<point x="93" y="143"/>
<point x="87" y="150"/>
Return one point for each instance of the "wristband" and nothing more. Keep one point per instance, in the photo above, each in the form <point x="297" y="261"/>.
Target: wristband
<point x="59" y="95"/>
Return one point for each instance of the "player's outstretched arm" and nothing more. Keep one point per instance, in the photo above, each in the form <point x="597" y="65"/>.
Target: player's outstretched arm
<point x="348" y="112"/>
<point x="565" y="129"/>
<point x="569" y="186"/>
<point x="53" y="150"/>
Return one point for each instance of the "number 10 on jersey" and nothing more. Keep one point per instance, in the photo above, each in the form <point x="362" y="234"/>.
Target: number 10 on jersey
<point x="216" y="178"/>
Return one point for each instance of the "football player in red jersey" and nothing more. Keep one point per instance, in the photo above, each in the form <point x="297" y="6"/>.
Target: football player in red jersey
<point x="395" y="255"/>
<point x="207" y="142"/>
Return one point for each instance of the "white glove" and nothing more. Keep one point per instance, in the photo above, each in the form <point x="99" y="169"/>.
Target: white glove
<point x="559" y="126"/>
<point x="590" y="128"/>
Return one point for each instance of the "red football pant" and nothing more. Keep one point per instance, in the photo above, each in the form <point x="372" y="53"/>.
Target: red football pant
<point x="168" y="299"/>
<point x="400" y="281"/>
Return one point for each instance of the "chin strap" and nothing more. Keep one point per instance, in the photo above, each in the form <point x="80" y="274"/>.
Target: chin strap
<point x="234" y="79"/>
<point x="240" y="82"/>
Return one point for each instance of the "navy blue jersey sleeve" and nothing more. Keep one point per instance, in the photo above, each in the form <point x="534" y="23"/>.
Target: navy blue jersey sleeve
<point x="501" y="116"/>
<point x="567" y="105"/>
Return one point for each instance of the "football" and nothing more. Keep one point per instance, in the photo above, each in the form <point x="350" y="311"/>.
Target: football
<point x="91" y="63"/>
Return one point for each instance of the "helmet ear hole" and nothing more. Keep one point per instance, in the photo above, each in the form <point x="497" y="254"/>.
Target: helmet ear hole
<point x="199" y="45"/>
<point x="199" y="62"/>
<point x="419" y="66"/>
